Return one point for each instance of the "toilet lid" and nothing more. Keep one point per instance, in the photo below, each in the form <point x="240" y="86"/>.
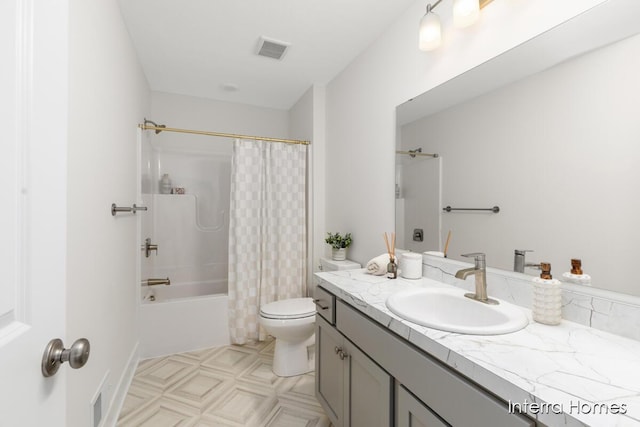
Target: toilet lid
<point x="292" y="308"/>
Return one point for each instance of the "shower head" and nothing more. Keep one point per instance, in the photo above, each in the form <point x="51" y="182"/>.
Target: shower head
<point x="155" y="125"/>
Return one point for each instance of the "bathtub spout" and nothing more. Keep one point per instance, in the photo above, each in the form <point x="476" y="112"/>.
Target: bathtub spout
<point x="153" y="282"/>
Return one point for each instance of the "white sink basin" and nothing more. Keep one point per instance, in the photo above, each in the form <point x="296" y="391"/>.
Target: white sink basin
<point x="449" y="310"/>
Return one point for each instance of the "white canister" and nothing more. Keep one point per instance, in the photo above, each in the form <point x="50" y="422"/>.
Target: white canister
<point x="547" y="301"/>
<point x="165" y="184"/>
<point x="411" y="265"/>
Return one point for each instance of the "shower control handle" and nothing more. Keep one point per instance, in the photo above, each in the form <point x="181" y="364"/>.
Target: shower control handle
<point x="148" y="247"/>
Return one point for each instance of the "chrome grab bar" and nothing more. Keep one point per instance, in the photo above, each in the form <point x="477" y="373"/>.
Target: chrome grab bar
<point x="135" y="208"/>
<point x="154" y="282"/>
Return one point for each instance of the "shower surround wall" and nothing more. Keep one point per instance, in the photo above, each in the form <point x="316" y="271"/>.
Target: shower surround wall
<point x="191" y="232"/>
<point x="191" y="229"/>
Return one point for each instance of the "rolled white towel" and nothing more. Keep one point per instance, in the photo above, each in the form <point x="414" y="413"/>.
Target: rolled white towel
<point x="378" y="265"/>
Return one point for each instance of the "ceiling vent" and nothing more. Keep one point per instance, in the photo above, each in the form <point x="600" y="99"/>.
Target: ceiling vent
<point x="272" y="48"/>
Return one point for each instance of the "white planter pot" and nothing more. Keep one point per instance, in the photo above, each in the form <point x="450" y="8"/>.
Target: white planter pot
<point x="339" y="254"/>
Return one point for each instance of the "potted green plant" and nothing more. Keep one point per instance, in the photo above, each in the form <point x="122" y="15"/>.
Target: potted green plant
<point x="339" y="245"/>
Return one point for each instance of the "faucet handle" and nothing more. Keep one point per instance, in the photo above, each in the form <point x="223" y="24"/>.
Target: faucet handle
<point x="479" y="258"/>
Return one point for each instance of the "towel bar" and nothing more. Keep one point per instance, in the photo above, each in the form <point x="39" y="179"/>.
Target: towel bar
<point x="115" y="209"/>
<point x="494" y="209"/>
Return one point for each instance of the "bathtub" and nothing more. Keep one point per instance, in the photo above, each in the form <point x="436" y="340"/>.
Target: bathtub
<point x="183" y="317"/>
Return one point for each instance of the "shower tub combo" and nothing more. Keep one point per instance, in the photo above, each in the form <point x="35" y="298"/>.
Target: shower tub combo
<point x="191" y="233"/>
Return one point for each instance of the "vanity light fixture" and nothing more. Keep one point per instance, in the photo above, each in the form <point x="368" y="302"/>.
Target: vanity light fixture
<point x="465" y="13"/>
<point x="430" y="29"/>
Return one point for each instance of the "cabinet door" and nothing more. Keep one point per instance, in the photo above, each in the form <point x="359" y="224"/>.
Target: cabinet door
<point x="369" y="391"/>
<point x="330" y="371"/>
<point x="413" y="413"/>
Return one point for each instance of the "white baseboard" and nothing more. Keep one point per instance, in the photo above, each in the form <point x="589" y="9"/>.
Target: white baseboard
<point x="120" y="393"/>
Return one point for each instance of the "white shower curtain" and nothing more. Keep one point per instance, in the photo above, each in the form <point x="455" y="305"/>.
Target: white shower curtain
<point x="267" y="231"/>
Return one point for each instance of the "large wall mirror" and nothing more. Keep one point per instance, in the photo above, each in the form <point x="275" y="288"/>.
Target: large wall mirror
<point x="550" y="133"/>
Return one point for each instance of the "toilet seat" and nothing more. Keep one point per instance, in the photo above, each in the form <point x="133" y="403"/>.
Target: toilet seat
<point x="293" y="308"/>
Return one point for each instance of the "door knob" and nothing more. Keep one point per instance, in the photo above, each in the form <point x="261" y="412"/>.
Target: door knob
<point x="55" y="354"/>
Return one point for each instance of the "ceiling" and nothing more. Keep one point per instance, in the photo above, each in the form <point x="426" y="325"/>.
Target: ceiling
<point x="197" y="47"/>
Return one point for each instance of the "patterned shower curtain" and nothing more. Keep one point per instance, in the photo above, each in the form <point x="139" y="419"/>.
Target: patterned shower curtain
<point x="267" y="231"/>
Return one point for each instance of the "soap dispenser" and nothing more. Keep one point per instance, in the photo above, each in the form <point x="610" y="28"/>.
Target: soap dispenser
<point x="547" y="297"/>
<point x="576" y="275"/>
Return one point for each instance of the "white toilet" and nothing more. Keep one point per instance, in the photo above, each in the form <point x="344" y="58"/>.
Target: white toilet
<point x="292" y="322"/>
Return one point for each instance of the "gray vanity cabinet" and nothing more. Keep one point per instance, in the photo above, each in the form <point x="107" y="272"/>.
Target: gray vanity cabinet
<point x="330" y="371"/>
<point x="369" y="396"/>
<point x="359" y="362"/>
<point x="354" y="390"/>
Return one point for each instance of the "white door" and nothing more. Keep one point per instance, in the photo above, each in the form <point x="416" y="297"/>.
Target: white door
<point x="33" y="123"/>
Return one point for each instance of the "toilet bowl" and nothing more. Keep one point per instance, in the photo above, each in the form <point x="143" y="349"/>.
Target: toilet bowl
<point x="291" y="322"/>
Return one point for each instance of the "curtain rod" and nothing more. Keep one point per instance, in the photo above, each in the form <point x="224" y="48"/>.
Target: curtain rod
<point x="159" y="129"/>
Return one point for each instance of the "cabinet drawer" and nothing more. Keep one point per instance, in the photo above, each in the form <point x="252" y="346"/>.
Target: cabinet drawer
<point x="325" y="304"/>
<point x="457" y="400"/>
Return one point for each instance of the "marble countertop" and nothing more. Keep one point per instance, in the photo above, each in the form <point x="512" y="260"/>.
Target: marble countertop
<point x="565" y="375"/>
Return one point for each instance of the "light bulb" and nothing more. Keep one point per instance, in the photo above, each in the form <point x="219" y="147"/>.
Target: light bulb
<point x="465" y="12"/>
<point x="430" y="31"/>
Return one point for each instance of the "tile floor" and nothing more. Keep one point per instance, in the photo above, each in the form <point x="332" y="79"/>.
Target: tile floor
<point x="224" y="386"/>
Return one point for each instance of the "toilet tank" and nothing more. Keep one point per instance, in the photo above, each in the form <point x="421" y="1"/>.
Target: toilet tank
<point x="327" y="264"/>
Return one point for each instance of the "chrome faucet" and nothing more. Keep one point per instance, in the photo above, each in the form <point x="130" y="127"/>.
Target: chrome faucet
<point x="480" y="272"/>
<point x="519" y="262"/>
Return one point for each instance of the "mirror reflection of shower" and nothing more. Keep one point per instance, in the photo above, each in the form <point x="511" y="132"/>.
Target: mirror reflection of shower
<point x="418" y="193"/>
<point x="186" y="185"/>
